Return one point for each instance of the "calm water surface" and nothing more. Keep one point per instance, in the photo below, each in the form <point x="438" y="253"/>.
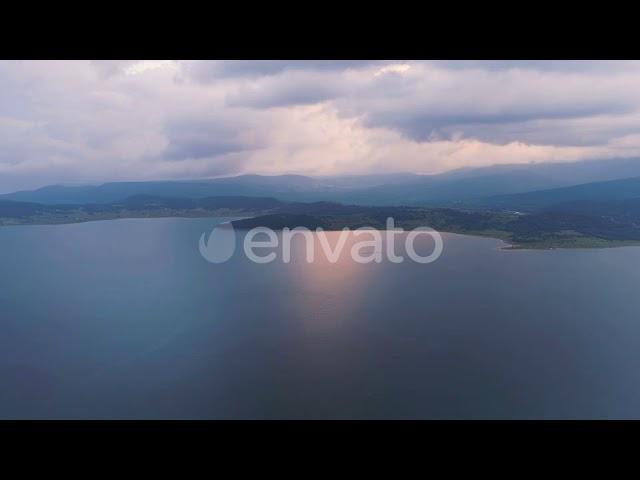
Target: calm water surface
<point x="124" y="319"/>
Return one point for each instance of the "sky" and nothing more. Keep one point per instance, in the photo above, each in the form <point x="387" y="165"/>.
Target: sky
<point x="96" y="121"/>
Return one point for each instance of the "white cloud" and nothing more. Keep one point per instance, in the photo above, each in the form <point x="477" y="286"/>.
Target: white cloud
<point x="149" y="65"/>
<point x="393" y="68"/>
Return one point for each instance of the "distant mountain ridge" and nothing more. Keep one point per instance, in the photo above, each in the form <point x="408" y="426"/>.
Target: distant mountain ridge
<point x="461" y="188"/>
<point x="560" y="199"/>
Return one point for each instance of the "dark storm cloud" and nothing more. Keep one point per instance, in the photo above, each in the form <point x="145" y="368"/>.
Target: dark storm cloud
<point x="423" y="124"/>
<point x="211" y="70"/>
<point x="299" y="88"/>
<point x="196" y="146"/>
<point x="438" y="99"/>
<point x="431" y="101"/>
<point x="208" y="136"/>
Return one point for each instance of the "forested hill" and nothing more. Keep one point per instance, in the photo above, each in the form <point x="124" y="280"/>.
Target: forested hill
<point x="542" y="230"/>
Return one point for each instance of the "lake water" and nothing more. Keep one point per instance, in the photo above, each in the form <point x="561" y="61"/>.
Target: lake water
<point x="125" y="319"/>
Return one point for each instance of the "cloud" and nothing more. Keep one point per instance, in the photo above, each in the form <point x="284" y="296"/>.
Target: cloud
<point x="393" y="68"/>
<point x="94" y="121"/>
<point x="292" y="88"/>
<point x="210" y="136"/>
<point x="108" y="68"/>
<point x="208" y="71"/>
<point x="429" y="101"/>
<point x="602" y="66"/>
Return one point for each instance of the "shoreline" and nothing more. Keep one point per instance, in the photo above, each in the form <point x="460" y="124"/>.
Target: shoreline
<point x="507" y="245"/>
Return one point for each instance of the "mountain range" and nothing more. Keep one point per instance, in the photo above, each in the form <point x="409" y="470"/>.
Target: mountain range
<point x="540" y="206"/>
<point x="464" y="188"/>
